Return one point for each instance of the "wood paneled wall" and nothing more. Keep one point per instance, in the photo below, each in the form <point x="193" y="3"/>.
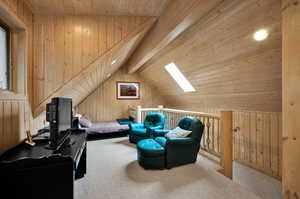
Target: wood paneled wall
<point x="20" y="9"/>
<point x="291" y="98"/>
<point x="15" y="115"/>
<point x="227" y="67"/>
<point x="258" y="141"/>
<point x="14" y="121"/>
<point x="257" y="138"/>
<point x="102" y="104"/>
<point x="90" y="77"/>
<point x="66" y="45"/>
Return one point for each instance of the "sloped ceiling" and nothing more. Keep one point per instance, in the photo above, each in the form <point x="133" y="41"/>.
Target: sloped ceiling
<point x="99" y="7"/>
<point x="178" y="16"/>
<point x="85" y="82"/>
<point x="219" y="56"/>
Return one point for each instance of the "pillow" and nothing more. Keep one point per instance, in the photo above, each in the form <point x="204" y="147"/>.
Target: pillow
<point x="178" y="133"/>
<point x="78" y="115"/>
<point x="85" y="122"/>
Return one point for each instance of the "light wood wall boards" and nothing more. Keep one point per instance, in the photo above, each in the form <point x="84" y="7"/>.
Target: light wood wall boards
<point x="291" y="98"/>
<point x="15" y="115"/>
<point x="99" y="7"/>
<point x="257" y="138"/>
<point x="258" y="141"/>
<point x="19" y="18"/>
<point x="21" y="9"/>
<point x="65" y="45"/>
<point x="89" y="78"/>
<point x="102" y="104"/>
<point x="220" y="58"/>
<point x="14" y="120"/>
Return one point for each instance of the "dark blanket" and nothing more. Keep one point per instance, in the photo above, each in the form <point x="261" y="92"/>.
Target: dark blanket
<point x="122" y="121"/>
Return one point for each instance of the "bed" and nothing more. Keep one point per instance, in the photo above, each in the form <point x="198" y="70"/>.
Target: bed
<point x="106" y="127"/>
<point x="117" y="128"/>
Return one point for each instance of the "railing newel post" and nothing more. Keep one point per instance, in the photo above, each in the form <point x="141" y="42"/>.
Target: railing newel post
<point x="226" y="137"/>
<point x="139" y="114"/>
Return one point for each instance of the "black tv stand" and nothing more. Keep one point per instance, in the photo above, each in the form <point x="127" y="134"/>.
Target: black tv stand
<point x="37" y="172"/>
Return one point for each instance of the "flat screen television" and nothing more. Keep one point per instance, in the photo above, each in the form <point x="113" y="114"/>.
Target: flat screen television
<point x="59" y="115"/>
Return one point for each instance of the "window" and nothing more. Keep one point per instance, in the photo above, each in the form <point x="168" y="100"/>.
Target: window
<point x="179" y="78"/>
<point x="4" y="57"/>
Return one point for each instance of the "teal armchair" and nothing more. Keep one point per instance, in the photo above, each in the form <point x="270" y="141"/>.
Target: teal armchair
<point x="153" y="121"/>
<point x="180" y="151"/>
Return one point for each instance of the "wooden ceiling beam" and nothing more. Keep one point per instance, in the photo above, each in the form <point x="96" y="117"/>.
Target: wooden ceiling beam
<point x="177" y="17"/>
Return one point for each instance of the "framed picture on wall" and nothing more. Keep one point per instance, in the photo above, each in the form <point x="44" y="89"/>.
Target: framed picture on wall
<point x="128" y="90"/>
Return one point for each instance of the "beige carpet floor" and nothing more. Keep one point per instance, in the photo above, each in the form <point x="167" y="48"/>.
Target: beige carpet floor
<point x="264" y="186"/>
<point x="113" y="173"/>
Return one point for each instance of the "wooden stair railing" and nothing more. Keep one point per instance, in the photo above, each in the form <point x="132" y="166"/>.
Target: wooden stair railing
<point x="217" y="138"/>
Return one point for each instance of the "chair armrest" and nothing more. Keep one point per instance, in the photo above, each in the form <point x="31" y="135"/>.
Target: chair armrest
<point x="177" y="144"/>
<point x="136" y="126"/>
<point x="155" y="127"/>
<point x="181" y="151"/>
<point x="159" y="132"/>
<point x="185" y="140"/>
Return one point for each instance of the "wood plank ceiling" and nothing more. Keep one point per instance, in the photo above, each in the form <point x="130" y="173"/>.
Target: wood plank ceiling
<point x="227" y="67"/>
<point x="99" y="7"/>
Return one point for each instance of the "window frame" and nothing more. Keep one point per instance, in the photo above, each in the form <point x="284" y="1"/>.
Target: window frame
<point x="8" y="45"/>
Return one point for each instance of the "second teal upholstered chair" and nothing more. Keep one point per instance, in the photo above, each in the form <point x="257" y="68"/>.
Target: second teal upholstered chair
<point x="180" y="151"/>
<point x="143" y="131"/>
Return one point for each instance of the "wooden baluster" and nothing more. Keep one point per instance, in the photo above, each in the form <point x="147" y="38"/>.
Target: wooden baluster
<point x="172" y="121"/>
<point x="208" y="134"/>
<point x="176" y="119"/>
<point x="218" y="134"/>
<point x="206" y="144"/>
<point x="167" y="120"/>
<point x="204" y="133"/>
<point x="202" y="142"/>
<point x="213" y="134"/>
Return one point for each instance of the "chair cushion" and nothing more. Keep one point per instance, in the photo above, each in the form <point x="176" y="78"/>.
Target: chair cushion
<point x="161" y="140"/>
<point x="150" y="148"/>
<point x="186" y="123"/>
<point x="139" y="131"/>
<point x="178" y="133"/>
<point x="154" y="119"/>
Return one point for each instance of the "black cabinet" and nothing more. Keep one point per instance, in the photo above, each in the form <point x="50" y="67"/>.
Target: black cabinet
<point x="39" y="172"/>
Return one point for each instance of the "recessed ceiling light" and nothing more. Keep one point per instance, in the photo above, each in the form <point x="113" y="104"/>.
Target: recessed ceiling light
<point x="260" y="35"/>
<point x="113" y="62"/>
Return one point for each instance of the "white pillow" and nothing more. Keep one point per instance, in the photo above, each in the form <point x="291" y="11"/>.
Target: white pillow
<point x="85" y="122"/>
<point x="178" y="133"/>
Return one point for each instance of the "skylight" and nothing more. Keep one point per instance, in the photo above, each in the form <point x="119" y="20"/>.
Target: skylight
<point x="180" y="79"/>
